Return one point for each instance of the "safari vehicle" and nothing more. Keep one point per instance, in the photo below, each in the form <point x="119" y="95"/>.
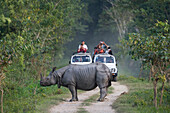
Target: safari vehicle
<point x="81" y="59"/>
<point x="109" y="61"/>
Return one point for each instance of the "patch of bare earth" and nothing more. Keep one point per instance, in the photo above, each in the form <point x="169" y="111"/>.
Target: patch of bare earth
<point x="96" y="107"/>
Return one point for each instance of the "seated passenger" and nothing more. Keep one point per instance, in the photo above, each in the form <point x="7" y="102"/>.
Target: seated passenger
<point x="83" y="47"/>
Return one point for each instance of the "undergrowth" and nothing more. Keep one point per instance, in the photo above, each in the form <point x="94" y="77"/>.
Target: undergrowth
<point x="23" y="93"/>
<point x="139" y="99"/>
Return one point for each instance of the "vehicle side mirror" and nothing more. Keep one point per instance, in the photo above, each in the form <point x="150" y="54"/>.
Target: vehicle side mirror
<point x="116" y="64"/>
<point x="69" y="62"/>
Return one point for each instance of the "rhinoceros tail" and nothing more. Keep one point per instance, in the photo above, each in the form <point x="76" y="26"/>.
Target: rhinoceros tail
<point x="110" y="83"/>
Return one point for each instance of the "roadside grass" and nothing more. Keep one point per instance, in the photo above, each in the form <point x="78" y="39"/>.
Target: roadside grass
<point x="93" y="98"/>
<point x="90" y="100"/>
<point x="82" y="110"/>
<point x="139" y="99"/>
<point x="31" y="97"/>
<point x="23" y="93"/>
<point x="110" y="90"/>
<point x="45" y="104"/>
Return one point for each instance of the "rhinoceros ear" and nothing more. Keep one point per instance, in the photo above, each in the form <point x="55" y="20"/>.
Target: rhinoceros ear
<point x="54" y="68"/>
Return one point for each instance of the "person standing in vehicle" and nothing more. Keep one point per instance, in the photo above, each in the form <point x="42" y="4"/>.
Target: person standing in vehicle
<point x="82" y="46"/>
<point x="99" y="50"/>
<point x="102" y="44"/>
<point x="82" y="49"/>
<point x="109" y="51"/>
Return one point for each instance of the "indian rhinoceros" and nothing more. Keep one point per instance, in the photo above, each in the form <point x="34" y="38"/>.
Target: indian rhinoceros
<point x="83" y="77"/>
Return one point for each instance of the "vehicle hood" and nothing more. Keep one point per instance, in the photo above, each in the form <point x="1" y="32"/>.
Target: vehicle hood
<point x="81" y="63"/>
<point x="111" y="66"/>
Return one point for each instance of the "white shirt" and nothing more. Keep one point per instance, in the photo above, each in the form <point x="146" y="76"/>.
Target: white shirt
<point x="107" y="51"/>
<point x="85" y="46"/>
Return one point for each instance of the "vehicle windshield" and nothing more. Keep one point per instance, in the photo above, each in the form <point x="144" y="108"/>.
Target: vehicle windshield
<point x="81" y="59"/>
<point x="104" y="59"/>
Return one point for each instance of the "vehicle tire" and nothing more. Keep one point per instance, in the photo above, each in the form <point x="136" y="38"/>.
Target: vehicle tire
<point x="115" y="79"/>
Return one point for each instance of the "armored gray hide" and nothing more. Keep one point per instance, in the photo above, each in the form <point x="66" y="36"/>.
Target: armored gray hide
<point x="59" y="73"/>
<point x="84" y="77"/>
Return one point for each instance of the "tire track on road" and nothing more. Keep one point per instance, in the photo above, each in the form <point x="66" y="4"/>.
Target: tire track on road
<point x="106" y="106"/>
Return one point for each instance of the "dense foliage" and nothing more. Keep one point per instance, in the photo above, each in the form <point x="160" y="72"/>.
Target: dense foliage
<point x="39" y="26"/>
<point x="35" y="33"/>
<point x="32" y="35"/>
<point x="144" y="32"/>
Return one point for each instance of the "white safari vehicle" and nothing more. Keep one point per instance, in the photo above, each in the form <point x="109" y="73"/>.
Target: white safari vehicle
<point x="81" y="59"/>
<point x="109" y="61"/>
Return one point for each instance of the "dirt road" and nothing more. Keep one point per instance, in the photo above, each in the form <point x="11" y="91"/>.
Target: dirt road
<point x="96" y="107"/>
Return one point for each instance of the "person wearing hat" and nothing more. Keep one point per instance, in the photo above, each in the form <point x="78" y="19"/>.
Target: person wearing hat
<point x="82" y="47"/>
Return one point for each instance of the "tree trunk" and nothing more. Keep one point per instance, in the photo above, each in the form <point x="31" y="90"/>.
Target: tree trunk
<point x="162" y="91"/>
<point x="1" y="88"/>
<point x="2" y="94"/>
<point x="155" y="93"/>
<point x="150" y="74"/>
<point x="154" y="84"/>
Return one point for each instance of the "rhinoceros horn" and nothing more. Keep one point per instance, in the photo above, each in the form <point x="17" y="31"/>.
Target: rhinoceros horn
<point x="54" y="68"/>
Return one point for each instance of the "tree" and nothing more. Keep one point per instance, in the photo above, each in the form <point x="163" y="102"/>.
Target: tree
<point x="121" y="14"/>
<point x="9" y="47"/>
<point x="44" y="26"/>
<point x="36" y="29"/>
<point x="154" y="50"/>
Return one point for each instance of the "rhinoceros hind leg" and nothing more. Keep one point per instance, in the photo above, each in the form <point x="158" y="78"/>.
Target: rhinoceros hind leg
<point x="103" y="94"/>
<point x="72" y="100"/>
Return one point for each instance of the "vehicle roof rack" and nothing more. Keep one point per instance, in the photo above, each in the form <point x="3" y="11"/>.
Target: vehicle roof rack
<point x="103" y="54"/>
<point x="81" y="53"/>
